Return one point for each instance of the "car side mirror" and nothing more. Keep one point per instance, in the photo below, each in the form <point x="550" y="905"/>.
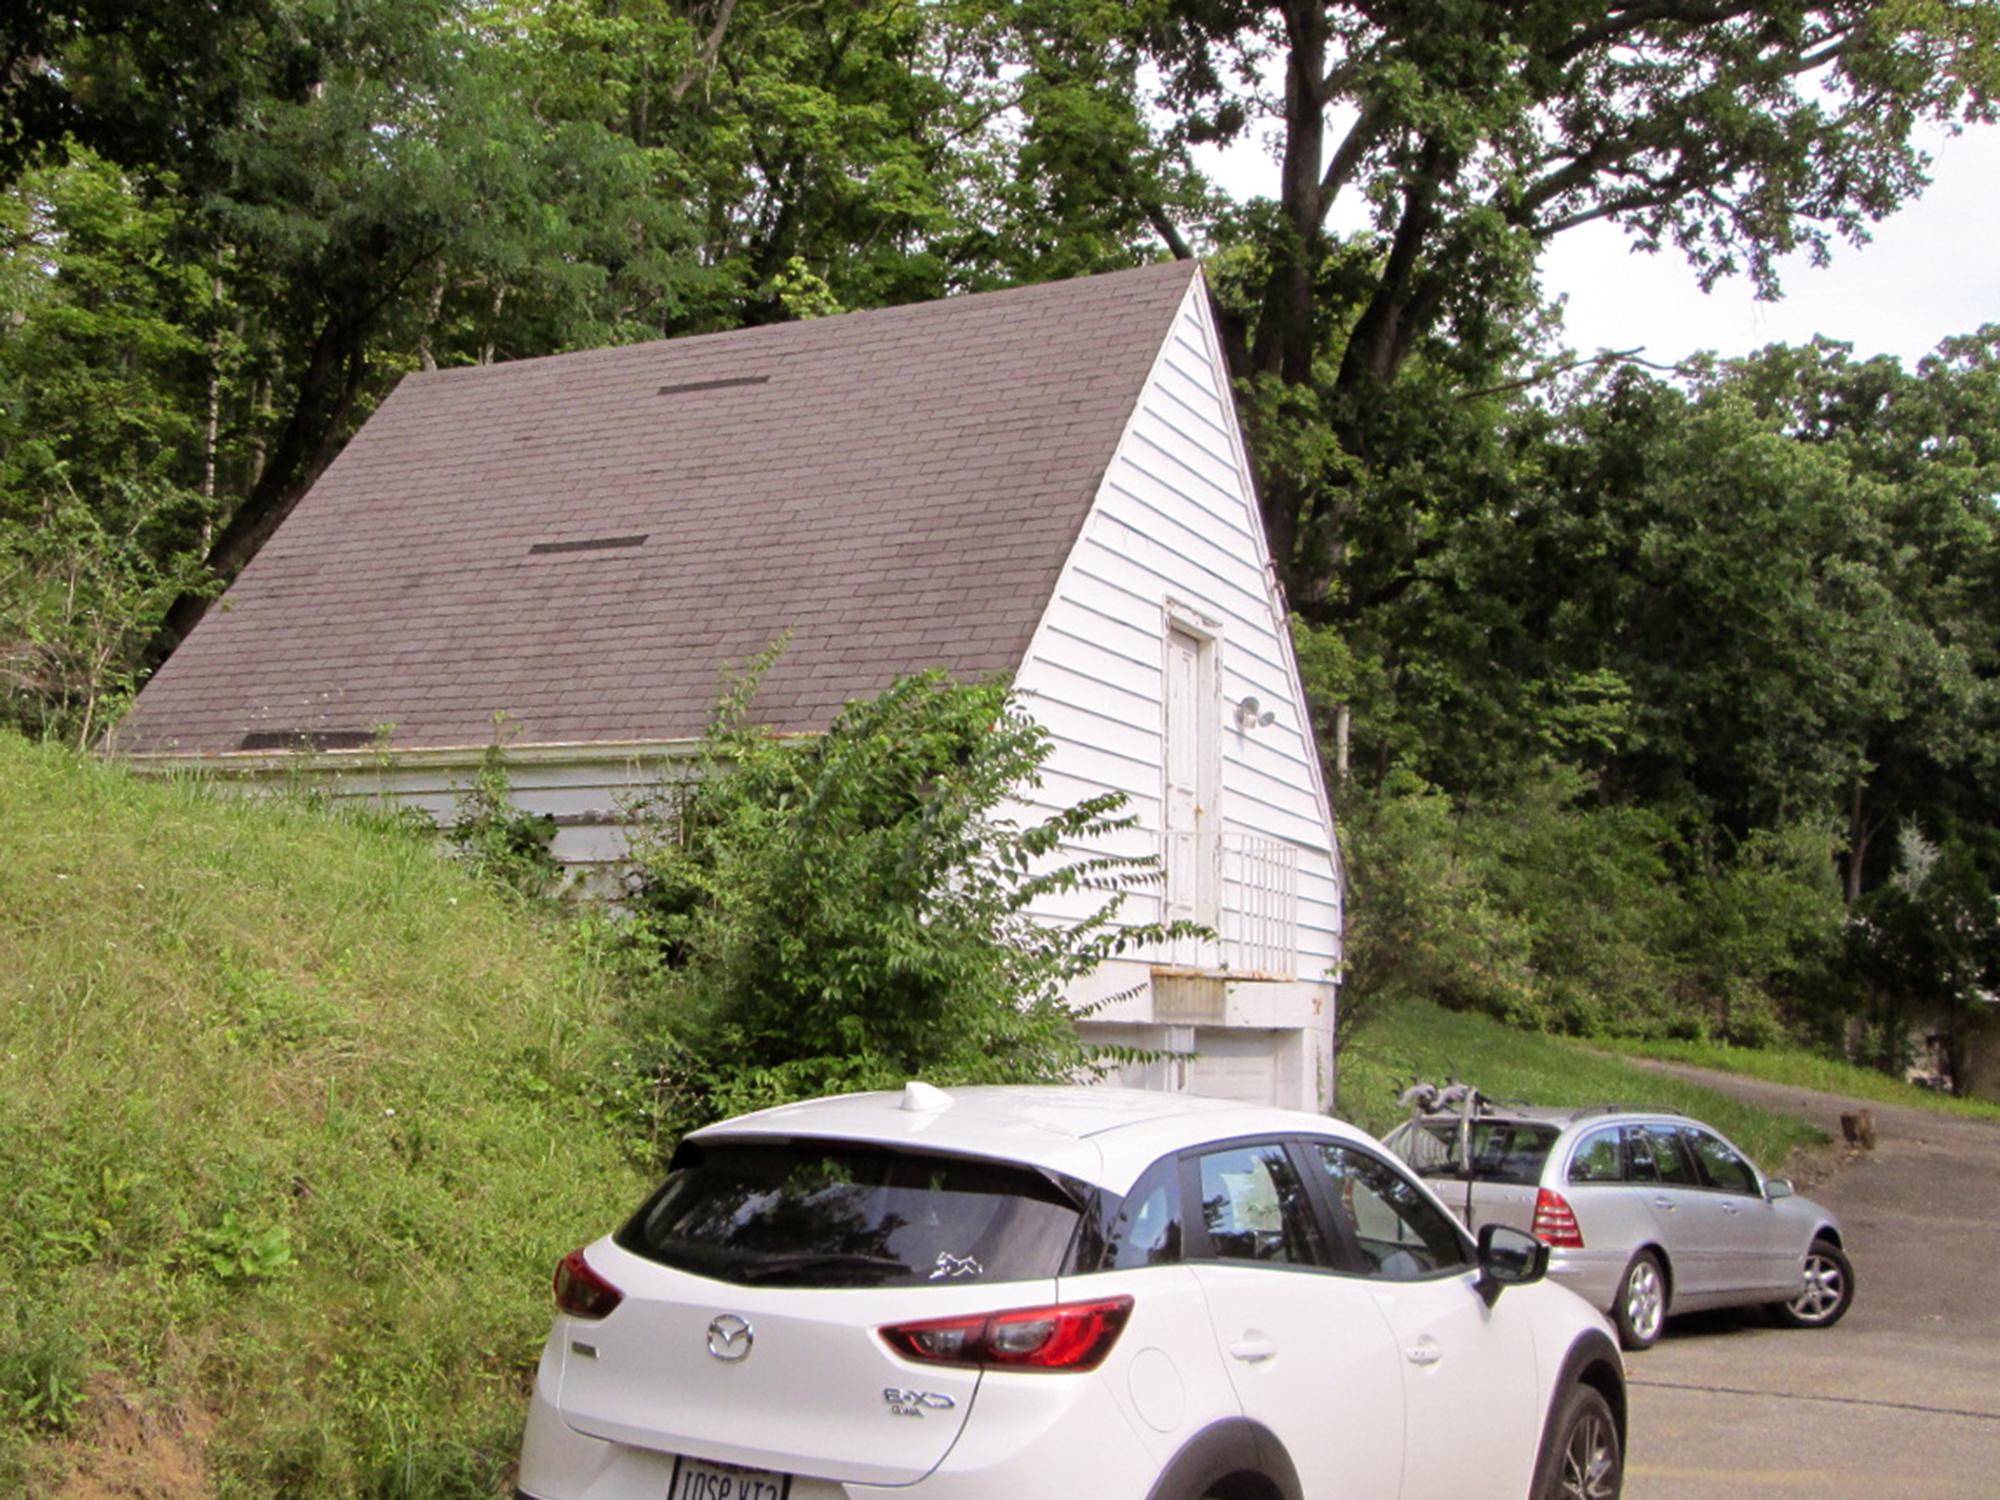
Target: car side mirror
<point x="1778" y="1187"/>
<point x="1508" y="1257"/>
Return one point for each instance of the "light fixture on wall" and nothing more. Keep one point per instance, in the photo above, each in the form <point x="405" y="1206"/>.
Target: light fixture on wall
<point x="1250" y="714"/>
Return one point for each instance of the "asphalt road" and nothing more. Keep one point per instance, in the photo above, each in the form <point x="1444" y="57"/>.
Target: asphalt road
<point x="1901" y="1400"/>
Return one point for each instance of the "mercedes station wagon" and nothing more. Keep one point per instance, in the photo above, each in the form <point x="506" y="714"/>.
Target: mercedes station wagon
<point x="1102" y="1292"/>
<point x="1645" y="1214"/>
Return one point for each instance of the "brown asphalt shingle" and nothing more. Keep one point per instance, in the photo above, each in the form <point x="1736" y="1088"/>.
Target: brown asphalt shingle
<point x="898" y="491"/>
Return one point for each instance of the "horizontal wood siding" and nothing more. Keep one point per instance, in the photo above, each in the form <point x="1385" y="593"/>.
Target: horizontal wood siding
<point x="1174" y="523"/>
<point x="589" y="798"/>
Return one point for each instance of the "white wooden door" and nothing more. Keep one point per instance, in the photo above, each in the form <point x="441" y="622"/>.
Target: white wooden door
<point x="1189" y="846"/>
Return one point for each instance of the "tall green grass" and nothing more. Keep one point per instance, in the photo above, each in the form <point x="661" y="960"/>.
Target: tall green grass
<point x="1422" y="1040"/>
<point x="294" y="1119"/>
<point x="1806" y="1070"/>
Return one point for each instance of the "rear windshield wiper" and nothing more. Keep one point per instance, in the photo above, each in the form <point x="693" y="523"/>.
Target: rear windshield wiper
<point x="765" y="1266"/>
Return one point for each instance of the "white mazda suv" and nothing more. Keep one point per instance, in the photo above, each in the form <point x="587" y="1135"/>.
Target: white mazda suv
<point x="998" y="1292"/>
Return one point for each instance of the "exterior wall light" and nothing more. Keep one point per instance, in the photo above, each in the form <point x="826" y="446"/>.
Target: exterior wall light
<point x="1250" y="714"/>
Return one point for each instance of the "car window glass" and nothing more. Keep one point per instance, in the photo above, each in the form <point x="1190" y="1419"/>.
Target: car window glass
<point x="1498" y="1150"/>
<point x="1400" y="1233"/>
<point x="825" y="1214"/>
<point x="1146" y="1230"/>
<point x="1674" y="1167"/>
<point x="1721" y="1167"/>
<point x="1597" y="1158"/>
<point x="1254" y="1208"/>
<point x="1640" y="1166"/>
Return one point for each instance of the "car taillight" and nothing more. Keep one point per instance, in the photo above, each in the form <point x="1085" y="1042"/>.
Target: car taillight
<point x="1070" y="1336"/>
<point x="580" y="1291"/>
<point x="1555" y="1222"/>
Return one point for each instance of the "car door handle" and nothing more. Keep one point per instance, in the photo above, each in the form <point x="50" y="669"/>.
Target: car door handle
<point x="1253" y="1350"/>
<point x="1666" y="1203"/>
<point x="1731" y="1208"/>
<point x="1424" y="1351"/>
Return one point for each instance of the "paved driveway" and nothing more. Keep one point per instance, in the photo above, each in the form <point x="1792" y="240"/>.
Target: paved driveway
<point x="1901" y="1401"/>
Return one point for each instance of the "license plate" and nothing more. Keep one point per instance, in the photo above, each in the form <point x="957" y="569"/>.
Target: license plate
<point x="698" y="1479"/>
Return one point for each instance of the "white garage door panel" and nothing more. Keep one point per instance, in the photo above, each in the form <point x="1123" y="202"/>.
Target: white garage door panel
<point x="1240" y="1065"/>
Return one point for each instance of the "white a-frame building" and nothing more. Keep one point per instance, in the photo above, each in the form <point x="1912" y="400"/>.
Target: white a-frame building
<point x="1047" y="481"/>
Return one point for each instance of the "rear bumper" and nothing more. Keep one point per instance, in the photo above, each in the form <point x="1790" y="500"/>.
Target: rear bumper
<point x="1593" y="1275"/>
<point x="1014" y="1438"/>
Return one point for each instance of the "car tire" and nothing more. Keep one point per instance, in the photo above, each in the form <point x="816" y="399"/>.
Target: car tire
<point x="1582" y="1458"/>
<point x="1828" y="1292"/>
<point x="1640" y="1309"/>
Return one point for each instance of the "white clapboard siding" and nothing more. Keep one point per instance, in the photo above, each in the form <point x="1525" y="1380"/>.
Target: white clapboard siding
<point x="589" y="790"/>
<point x="1174" y="529"/>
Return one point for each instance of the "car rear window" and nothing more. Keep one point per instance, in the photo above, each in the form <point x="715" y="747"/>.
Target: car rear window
<point x="1501" y="1150"/>
<point x="820" y="1213"/>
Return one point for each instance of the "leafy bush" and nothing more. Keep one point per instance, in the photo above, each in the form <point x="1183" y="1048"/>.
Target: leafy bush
<point x="1553" y="911"/>
<point x="859" y="909"/>
<point x="502" y="842"/>
<point x="1927" y="944"/>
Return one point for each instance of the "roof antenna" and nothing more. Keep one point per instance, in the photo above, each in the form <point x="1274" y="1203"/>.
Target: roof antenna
<point x="922" y="1098"/>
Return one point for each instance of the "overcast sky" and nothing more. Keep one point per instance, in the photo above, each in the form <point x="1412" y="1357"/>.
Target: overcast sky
<point x="1930" y="271"/>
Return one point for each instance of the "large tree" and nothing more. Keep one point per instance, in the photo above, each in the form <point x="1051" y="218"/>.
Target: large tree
<point x="1475" y="131"/>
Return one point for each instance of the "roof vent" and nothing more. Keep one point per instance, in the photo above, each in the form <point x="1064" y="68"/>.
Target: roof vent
<point x="306" y="739"/>
<point x="922" y="1098"/>
<point x="593" y="544"/>
<point x="712" y="385"/>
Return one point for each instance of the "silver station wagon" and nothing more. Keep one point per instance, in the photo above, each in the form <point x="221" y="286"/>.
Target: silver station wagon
<point x="1645" y="1214"/>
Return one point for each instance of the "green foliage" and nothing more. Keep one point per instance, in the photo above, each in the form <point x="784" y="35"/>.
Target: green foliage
<point x="1927" y="944"/>
<point x="100" y="529"/>
<point x="44" y="1362"/>
<point x="235" y="1253"/>
<point x="77" y="601"/>
<point x="499" y="840"/>
<point x="294" y="1118"/>
<point x="863" y="908"/>
<point x="1549" y="910"/>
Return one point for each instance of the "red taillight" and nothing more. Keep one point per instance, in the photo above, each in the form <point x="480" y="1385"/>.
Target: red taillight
<point x="1071" y="1336"/>
<point x="580" y="1291"/>
<point x="1555" y="1222"/>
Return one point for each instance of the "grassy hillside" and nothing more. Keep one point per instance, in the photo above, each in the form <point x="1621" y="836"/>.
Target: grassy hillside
<point x="1806" y="1070"/>
<point x="294" y="1121"/>
<point x="1429" y="1042"/>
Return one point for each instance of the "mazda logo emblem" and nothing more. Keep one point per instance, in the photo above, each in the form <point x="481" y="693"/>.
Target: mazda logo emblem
<point x="730" y="1338"/>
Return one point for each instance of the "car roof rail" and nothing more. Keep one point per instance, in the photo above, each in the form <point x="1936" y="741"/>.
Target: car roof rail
<point x="1626" y="1109"/>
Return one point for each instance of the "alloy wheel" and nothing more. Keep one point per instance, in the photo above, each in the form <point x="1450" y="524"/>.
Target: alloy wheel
<point x="1645" y="1300"/>
<point x="1824" y="1287"/>
<point x="1590" y="1461"/>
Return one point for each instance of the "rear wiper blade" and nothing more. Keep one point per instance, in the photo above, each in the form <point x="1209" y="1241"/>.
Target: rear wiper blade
<point x="819" y="1260"/>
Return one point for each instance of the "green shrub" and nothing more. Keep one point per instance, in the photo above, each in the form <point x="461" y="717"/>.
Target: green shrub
<point x="501" y="842"/>
<point x="1552" y="910"/>
<point x="859" y="909"/>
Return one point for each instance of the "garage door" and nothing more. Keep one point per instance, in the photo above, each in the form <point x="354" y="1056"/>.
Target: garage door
<point x="1235" y="1064"/>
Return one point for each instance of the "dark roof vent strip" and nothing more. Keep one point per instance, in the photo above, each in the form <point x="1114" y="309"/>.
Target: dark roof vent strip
<point x="713" y="385"/>
<point x="593" y="544"/>
<point x="306" y="739"/>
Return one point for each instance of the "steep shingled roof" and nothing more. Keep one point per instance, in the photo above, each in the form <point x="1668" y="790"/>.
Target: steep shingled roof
<point x="586" y="541"/>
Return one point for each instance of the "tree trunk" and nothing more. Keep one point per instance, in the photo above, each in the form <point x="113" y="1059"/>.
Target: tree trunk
<point x="333" y="377"/>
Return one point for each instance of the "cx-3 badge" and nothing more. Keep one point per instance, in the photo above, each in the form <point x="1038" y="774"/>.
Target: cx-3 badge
<point x="730" y="1338"/>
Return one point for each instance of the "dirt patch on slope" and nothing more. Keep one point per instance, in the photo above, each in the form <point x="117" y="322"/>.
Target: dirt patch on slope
<point x="124" y="1449"/>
